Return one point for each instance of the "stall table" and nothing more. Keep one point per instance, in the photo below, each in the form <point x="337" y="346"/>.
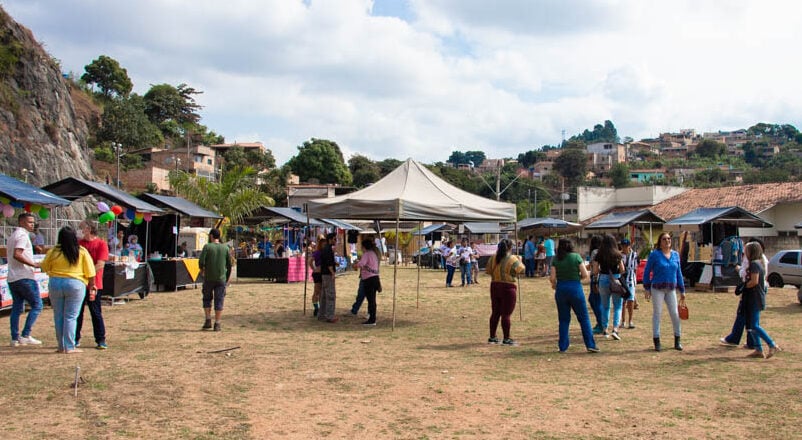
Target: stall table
<point x="280" y="270"/>
<point x="5" y="294"/>
<point x="174" y="273"/>
<point x="120" y="279"/>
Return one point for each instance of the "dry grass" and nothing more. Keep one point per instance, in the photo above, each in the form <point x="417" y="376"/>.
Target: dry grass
<point x="433" y="377"/>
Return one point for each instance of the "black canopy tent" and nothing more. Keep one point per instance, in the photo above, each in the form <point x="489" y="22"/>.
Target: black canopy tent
<point x="166" y="242"/>
<point x="714" y="224"/>
<point x="616" y="221"/>
<point x="73" y="188"/>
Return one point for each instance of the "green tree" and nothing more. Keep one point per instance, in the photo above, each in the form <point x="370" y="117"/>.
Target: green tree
<point x="363" y="170"/>
<point x="462" y="179"/>
<point x="600" y="133"/>
<point x="710" y="149"/>
<point x="387" y="166"/>
<point x="320" y="160"/>
<point x="107" y="74"/>
<point x="710" y="178"/>
<point x="572" y="165"/>
<point x="164" y="103"/>
<point x="235" y="196"/>
<point x="252" y="157"/>
<point x="619" y="174"/>
<point x="531" y="157"/>
<point x="124" y="121"/>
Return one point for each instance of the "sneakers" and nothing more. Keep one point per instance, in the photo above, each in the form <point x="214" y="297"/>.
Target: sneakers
<point x="207" y="324"/>
<point x="217" y="327"/>
<point x="597" y="330"/>
<point x="29" y="340"/>
<point x="615" y="336"/>
<point x="101" y="346"/>
<point x="631" y="325"/>
<point x="726" y="343"/>
<point x="593" y="350"/>
<point x="369" y="323"/>
<point x="493" y="341"/>
<point x="509" y="342"/>
<point x="14" y="343"/>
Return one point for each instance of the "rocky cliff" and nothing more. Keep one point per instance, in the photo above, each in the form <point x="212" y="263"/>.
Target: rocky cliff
<point x="44" y="121"/>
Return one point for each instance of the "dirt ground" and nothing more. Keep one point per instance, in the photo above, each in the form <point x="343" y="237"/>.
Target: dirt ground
<point x="432" y="377"/>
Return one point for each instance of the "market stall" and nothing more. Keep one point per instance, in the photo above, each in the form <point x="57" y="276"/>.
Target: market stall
<point x="124" y="208"/>
<point x="17" y="197"/>
<point x="174" y="273"/>
<point x="638" y="226"/>
<point x="121" y="280"/>
<point x="710" y="245"/>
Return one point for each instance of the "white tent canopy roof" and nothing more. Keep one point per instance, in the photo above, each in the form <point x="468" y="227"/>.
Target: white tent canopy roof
<point x="412" y="192"/>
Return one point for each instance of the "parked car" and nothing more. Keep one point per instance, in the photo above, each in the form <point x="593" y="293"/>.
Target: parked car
<point x="785" y="267"/>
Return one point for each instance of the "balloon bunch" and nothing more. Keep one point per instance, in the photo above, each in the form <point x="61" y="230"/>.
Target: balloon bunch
<point x="7" y="208"/>
<point x="109" y="214"/>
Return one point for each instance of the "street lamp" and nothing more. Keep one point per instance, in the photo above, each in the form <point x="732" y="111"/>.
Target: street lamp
<point x="118" y="148"/>
<point x="25" y="173"/>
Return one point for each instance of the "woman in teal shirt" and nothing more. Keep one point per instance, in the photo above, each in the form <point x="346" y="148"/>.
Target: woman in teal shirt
<point x="566" y="280"/>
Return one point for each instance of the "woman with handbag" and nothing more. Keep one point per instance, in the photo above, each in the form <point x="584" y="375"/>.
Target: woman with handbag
<point x="662" y="277"/>
<point x="754" y="298"/>
<point x="594" y="299"/>
<point x="609" y="267"/>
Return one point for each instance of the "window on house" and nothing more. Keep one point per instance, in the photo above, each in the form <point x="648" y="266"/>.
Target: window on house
<point x="208" y="161"/>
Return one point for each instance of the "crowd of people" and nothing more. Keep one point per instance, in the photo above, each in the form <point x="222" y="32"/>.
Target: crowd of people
<point x="75" y="269"/>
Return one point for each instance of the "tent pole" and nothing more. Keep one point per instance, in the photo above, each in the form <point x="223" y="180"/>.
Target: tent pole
<point x="395" y="268"/>
<point x="520" y="292"/>
<point x="417" y="295"/>
<point x="305" y="254"/>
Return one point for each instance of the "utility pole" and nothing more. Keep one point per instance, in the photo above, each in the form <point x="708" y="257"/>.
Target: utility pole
<point x="562" y="200"/>
<point x="498" y="180"/>
<point x="118" y="147"/>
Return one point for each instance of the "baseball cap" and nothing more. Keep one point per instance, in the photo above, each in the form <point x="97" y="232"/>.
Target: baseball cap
<point x="625" y="242"/>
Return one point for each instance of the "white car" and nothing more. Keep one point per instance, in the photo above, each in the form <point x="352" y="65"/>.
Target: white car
<point x="785" y="267"/>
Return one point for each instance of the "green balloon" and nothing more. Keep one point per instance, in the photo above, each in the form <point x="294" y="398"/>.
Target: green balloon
<point x="44" y="213"/>
<point x="137" y="220"/>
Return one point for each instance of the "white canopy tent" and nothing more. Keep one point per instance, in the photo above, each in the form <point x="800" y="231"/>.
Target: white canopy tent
<point x="412" y="192"/>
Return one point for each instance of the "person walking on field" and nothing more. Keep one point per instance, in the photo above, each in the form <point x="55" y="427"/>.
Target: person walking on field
<point x="566" y="279"/>
<point x="215" y="264"/>
<point x="548" y="244"/>
<point x="21" y="282"/>
<point x="662" y="278"/>
<point x="99" y="251"/>
<point x="328" y="270"/>
<point x="503" y="269"/>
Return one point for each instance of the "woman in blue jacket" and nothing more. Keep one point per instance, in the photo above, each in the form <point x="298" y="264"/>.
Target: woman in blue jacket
<point x="662" y="278"/>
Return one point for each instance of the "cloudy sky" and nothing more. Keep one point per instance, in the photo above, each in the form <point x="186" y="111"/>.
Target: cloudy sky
<point x="422" y="78"/>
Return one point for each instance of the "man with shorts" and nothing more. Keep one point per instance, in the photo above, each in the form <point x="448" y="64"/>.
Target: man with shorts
<point x="215" y="264"/>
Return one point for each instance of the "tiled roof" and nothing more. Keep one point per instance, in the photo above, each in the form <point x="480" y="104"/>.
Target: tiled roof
<point x="753" y="198"/>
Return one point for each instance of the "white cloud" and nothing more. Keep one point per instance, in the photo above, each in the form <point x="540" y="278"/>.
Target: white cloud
<point x="500" y="77"/>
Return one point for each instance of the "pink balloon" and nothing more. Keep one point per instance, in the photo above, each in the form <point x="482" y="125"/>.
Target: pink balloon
<point x="147" y="217"/>
<point x="8" y="211"/>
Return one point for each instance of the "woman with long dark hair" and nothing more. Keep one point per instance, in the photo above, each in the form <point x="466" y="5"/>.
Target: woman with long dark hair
<point x="662" y="278"/>
<point x="503" y="269"/>
<point x="566" y="280"/>
<point x="594" y="298"/>
<point x="72" y="274"/>
<point x="755" y="301"/>
<point x="609" y="267"/>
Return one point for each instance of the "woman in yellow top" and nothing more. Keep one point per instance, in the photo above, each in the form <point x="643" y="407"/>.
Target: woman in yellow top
<point x="503" y="269"/>
<point x="71" y="273"/>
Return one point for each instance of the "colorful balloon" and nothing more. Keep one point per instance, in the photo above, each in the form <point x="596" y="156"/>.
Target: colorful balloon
<point x="27" y="207"/>
<point x="117" y="210"/>
<point x="106" y="217"/>
<point x="102" y="207"/>
<point x="139" y="215"/>
<point x="8" y="211"/>
<point x="4" y="200"/>
<point x="35" y="207"/>
<point x="129" y="213"/>
<point x="44" y="213"/>
<point x="147" y="217"/>
<point x="137" y="220"/>
<point x="17" y="204"/>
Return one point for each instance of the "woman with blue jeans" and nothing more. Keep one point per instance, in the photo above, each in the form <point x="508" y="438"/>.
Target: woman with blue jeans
<point x="566" y="280"/>
<point x="662" y="277"/>
<point x="72" y="274"/>
<point x="754" y="302"/>
<point x="609" y="266"/>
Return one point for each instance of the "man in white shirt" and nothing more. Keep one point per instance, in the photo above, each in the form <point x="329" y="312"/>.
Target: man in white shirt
<point x="21" y="281"/>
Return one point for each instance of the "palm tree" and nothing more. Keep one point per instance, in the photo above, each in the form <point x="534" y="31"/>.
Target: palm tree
<point x="235" y="196"/>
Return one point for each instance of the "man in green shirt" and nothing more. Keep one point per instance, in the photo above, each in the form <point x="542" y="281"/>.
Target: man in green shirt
<point x="215" y="265"/>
